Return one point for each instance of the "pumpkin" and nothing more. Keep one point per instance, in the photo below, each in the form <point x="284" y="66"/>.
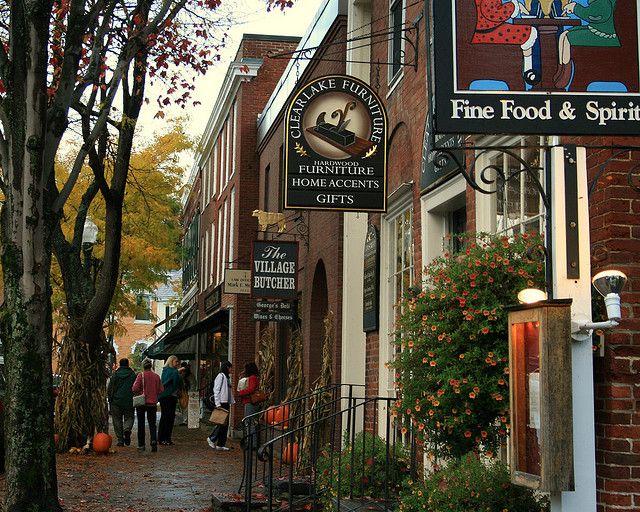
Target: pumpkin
<point x="101" y="442"/>
<point x="282" y="415"/>
<point x="56" y="439"/>
<point x="290" y="453"/>
<point x="269" y="415"/>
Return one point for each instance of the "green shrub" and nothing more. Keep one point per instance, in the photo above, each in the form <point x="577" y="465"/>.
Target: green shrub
<point x="468" y="485"/>
<point x="360" y="469"/>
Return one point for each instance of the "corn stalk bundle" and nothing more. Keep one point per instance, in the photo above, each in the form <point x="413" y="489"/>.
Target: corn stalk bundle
<point x="81" y="405"/>
<point x="266" y="361"/>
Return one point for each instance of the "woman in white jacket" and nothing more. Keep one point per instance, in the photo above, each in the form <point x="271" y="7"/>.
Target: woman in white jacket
<point x="223" y="397"/>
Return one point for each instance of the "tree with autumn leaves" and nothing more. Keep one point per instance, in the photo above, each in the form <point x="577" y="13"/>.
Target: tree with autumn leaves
<point x="149" y="249"/>
<point x="81" y="64"/>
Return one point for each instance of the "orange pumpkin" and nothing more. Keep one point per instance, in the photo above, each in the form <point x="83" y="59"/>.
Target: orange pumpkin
<point x="290" y="453"/>
<point x="282" y="415"/>
<point x="269" y="415"/>
<point x="101" y="442"/>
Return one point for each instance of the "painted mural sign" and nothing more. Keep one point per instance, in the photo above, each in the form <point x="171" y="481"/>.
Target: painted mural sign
<point x="536" y="66"/>
<point x="274" y="269"/>
<point x="336" y="147"/>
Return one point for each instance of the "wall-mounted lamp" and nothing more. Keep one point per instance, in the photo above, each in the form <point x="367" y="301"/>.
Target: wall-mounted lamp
<point x="531" y="296"/>
<point x="609" y="284"/>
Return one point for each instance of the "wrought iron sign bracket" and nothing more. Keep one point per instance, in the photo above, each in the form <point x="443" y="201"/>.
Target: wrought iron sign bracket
<point x="300" y="230"/>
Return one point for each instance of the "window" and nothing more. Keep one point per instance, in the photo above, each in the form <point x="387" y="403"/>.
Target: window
<point x="265" y="200"/>
<point x="396" y="50"/>
<point x="399" y="270"/>
<point x="232" y="226"/>
<point x="143" y="308"/>
<point x="518" y="206"/>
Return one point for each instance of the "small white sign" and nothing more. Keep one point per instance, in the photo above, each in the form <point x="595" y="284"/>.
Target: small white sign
<point x="193" y="412"/>
<point x="534" y="400"/>
<point x="237" y="281"/>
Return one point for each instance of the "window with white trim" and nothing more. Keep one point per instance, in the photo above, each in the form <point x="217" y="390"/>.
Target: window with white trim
<point x="516" y="207"/>
<point x="232" y="216"/>
<point x="396" y="42"/>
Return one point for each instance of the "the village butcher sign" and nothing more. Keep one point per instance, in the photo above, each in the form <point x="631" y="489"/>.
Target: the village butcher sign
<point x="274" y="269"/>
<point x="336" y="147"/>
<point x="540" y="67"/>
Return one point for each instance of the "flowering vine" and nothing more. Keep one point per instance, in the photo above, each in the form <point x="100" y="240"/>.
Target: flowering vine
<point x="452" y="370"/>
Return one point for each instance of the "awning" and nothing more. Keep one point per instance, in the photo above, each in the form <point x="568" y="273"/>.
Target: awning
<point x="182" y="339"/>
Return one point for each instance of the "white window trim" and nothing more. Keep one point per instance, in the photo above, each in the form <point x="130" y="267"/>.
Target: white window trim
<point x="232" y="218"/>
<point x="393" y="80"/>
<point x="225" y="223"/>
<point x="433" y="206"/>
<point x="399" y="206"/>
<point x="220" y="234"/>
<point x="212" y="255"/>
<point x="235" y="131"/>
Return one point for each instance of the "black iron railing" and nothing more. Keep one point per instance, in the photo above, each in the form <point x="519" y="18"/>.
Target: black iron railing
<point x="334" y="448"/>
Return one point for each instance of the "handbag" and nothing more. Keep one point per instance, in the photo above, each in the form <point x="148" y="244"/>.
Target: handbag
<point x="183" y="399"/>
<point x="258" y="396"/>
<point x="219" y="416"/>
<point x="140" y="400"/>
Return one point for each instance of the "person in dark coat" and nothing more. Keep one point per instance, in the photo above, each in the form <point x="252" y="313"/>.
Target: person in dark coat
<point x="121" y="401"/>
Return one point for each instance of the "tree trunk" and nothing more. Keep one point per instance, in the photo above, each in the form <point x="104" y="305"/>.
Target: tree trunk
<point x="26" y="257"/>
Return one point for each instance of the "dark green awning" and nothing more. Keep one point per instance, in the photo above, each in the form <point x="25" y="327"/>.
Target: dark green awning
<point x="182" y="339"/>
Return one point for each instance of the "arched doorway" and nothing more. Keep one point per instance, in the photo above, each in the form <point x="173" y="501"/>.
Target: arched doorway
<point x="319" y="307"/>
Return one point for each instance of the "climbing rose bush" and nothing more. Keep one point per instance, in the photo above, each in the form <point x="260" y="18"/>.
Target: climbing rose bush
<point x="452" y="367"/>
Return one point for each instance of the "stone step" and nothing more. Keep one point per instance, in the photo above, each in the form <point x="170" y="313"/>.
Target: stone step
<point x="236" y="503"/>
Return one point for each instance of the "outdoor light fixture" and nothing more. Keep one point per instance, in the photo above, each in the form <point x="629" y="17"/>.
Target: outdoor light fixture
<point x="531" y="296"/>
<point x="89" y="232"/>
<point x="609" y="284"/>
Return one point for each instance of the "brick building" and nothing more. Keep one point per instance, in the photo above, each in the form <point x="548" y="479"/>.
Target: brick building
<point x="413" y="232"/>
<point x="223" y="192"/>
<point x="319" y="233"/>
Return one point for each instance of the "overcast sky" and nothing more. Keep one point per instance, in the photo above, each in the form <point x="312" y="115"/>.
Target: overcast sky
<point x="252" y="18"/>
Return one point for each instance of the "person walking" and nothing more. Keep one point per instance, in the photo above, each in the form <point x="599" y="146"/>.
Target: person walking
<point x="147" y="383"/>
<point x="168" y="399"/>
<point x="183" y="396"/>
<point x="120" y="398"/>
<point x="223" y="397"/>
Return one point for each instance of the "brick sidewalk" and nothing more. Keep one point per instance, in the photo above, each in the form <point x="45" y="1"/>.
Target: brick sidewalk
<point x="176" y="478"/>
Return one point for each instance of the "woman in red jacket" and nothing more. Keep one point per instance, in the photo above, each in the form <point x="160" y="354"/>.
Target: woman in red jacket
<point x="252" y="384"/>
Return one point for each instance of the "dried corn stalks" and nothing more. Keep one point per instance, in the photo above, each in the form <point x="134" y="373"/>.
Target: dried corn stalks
<point x="81" y="405"/>
<point x="266" y="361"/>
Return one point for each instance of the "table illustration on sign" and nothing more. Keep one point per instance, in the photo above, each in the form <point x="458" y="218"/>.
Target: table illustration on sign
<point x="337" y="134"/>
<point x="547" y="45"/>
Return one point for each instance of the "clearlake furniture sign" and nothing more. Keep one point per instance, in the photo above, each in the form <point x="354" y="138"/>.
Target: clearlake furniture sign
<point x="274" y="269"/>
<point x="336" y="147"/>
<point x="540" y="67"/>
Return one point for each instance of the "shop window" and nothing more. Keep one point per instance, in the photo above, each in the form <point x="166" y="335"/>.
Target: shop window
<point x="518" y="206"/>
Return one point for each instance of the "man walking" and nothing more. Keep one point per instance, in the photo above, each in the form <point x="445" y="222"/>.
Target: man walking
<point x="121" y="401"/>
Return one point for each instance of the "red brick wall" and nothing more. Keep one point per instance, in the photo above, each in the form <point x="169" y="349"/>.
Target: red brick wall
<point x="324" y="231"/>
<point x="406" y="106"/>
<point x="251" y="99"/>
<point x="615" y="230"/>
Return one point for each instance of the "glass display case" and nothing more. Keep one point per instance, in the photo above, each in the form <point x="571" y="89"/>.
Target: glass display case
<point x="541" y="455"/>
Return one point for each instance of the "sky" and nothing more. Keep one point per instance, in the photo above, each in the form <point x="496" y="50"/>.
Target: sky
<point x="252" y="18"/>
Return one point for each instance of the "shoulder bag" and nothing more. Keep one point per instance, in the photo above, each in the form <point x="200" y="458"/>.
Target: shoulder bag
<point x="258" y="396"/>
<point x="140" y="400"/>
<point x="219" y="416"/>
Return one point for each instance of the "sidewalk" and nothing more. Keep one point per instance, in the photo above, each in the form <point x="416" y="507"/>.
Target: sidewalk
<point x="176" y="478"/>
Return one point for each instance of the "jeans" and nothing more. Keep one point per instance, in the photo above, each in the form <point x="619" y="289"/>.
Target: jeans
<point x="150" y="412"/>
<point x="219" y="433"/>
<point x="167" y="417"/>
<point x="122" y="420"/>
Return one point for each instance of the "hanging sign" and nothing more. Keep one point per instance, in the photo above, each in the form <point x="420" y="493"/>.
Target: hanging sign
<point x="370" y="287"/>
<point x="552" y="67"/>
<point x="237" y="281"/>
<point x="336" y="147"/>
<point x="438" y="166"/>
<point x="274" y="269"/>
